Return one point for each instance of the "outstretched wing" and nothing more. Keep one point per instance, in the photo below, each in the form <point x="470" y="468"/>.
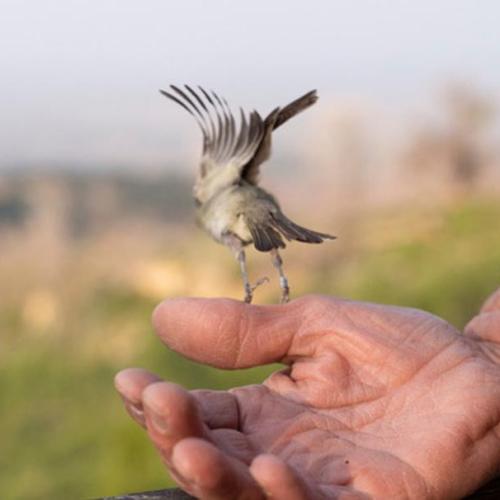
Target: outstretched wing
<point x="224" y="142"/>
<point x="244" y="146"/>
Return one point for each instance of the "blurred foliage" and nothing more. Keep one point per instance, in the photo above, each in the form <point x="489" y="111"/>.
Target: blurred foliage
<point x="64" y="433"/>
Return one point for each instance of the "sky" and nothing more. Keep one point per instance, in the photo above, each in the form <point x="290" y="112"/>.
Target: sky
<point x="80" y="78"/>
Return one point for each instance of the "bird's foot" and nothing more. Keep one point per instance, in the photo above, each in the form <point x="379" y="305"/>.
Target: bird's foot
<point x="259" y="282"/>
<point x="285" y="296"/>
<point x="285" y="290"/>
<point x="249" y="289"/>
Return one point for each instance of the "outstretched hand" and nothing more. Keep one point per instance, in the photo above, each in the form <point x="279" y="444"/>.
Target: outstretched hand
<point x="375" y="402"/>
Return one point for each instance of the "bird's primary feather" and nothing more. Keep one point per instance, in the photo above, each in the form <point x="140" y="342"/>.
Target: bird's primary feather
<point x="295" y="107"/>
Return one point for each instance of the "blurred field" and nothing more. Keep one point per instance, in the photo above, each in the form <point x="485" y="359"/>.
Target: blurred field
<point x="84" y="260"/>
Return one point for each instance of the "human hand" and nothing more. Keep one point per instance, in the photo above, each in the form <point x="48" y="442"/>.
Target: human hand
<point x="376" y="401"/>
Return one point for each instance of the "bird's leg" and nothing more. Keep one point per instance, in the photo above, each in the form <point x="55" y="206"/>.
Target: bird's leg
<point x="236" y="246"/>
<point x="278" y="264"/>
<point x="240" y="255"/>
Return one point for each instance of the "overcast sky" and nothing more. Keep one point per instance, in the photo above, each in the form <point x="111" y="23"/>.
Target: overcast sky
<point x="79" y="78"/>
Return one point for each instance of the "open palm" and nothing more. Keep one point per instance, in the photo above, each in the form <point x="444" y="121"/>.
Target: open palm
<point x="376" y="401"/>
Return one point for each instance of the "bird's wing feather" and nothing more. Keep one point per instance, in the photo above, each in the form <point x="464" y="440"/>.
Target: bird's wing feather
<point x="250" y="171"/>
<point x="295" y="107"/>
<point x="224" y="142"/>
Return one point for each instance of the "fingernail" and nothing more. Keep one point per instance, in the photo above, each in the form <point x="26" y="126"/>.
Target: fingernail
<point x="158" y="422"/>
<point x="137" y="411"/>
<point x="134" y="409"/>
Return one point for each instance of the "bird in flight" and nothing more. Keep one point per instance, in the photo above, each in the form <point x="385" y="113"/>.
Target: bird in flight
<point x="231" y="206"/>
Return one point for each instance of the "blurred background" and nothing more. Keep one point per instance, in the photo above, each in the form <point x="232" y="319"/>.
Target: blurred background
<point x="400" y="158"/>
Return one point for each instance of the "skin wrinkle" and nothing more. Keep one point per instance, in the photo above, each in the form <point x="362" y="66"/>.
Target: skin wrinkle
<point x="329" y="348"/>
<point x="210" y="403"/>
<point x="490" y="349"/>
<point x="360" y="456"/>
<point x="291" y="438"/>
<point x="313" y="310"/>
<point x="347" y="396"/>
<point x="244" y="416"/>
<point x="291" y="338"/>
<point x="359" y="418"/>
<point x="242" y="333"/>
<point x="423" y="327"/>
<point x="458" y="364"/>
<point x="352" y="375"/>
<point x="320" y="465"/>
<point x="280" y="329"/>
<point x="308" y="343"/>
<point x="355" y="346"/>
<point x="484" y="331"/>
<point x="225" y="344"/>
<point x="443" y="372"/>
<point x="428" y="490"/>
<point x="234" y="443"/>
<point x="494" y="413"/>
<point x="304" y="385"/>
<point x="298" y="451"/>
<point x="333" y="413"/>
<point x="458" y="434"/>
<point x="400" y="342"/>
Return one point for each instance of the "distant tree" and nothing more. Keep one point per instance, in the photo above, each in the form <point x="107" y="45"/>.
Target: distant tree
<point x="470" y="113"/>
<point x="456" y="149"/>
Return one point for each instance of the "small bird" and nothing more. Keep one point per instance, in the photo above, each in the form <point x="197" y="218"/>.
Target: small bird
<point x="230" y="204"/>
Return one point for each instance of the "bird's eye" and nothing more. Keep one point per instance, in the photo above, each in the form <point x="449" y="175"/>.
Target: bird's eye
<point x="197" y="202"/>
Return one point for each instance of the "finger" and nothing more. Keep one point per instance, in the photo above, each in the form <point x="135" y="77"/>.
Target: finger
<point x="227" y="333"/>
<point x="492" y="303"/>
<point x="279" y="481"/>
<point x="171" y="415"/>
<point x="218" y="408"/>
<point x="485" y="326"/>
<point x="234" y="444"/>
<point x="211" y="474"/>
<point x="221" y="414"/>
<point x="130" y="384"/>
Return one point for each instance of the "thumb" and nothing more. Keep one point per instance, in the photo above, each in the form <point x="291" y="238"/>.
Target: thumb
<point x="227" y="333"/>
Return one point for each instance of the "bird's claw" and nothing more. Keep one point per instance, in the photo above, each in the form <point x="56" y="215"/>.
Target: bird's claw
<point x="285" y="295"/>
<point x="259" y="282"/>
<point x="249" y="289"/>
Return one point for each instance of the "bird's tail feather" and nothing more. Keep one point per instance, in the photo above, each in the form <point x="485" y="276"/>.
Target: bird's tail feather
<point x="265" y="238"/>
<point x="292" y="231"/>
<point x="268" y="236"/>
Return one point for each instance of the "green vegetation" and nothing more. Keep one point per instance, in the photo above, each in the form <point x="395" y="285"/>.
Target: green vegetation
<point x="64" y="433"/>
